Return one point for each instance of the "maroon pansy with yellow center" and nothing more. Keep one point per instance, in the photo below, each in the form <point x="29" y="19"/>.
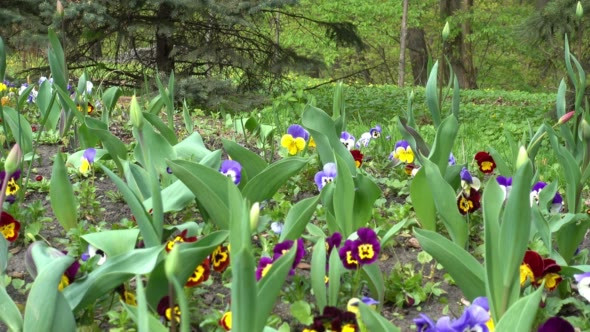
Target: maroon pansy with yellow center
<point x="166" y="311"/>
<point x="346" y="254"/>
<point x="333" y="319"/>
<point x="200" y="274"/>
<point x="367" y="246"/>
<point x="469" y="202"/>
<point x="537" y="269"/>
<point x="225" y="321"/>
<point x="180" y="238"/>
<point x="9" y="227"/>
<point x="220" y="258"/>
<point x="358" y="157"/>
<point x="127" y="296"/>
<point x="485" y="162"/>
<point x="69" y="275"/>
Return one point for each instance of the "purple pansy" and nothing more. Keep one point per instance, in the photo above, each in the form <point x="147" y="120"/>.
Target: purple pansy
<point x="466" y="176"/>
<point x="556" y="203"/>
<point x="325" y="176"/>
<point x="367" y="246"/>
<point x="375" y="131"/>
<point x="347" y="139"/>
<point x="263" y="267"/>
<point x="452" y="160"/>
<point x="281" y="248"/>
<point x="231" y="169"/>
<point x="424" y="324"/>
<point x="333" y="241"/>
<point x="346" y="254"/>
<point x="11" y="187"/>
<point x="505" y="184"/>
<point x="298" y="131"/>
<point x="89" y="154"/>
<point x="556" y="324"/>
<point x="369" y="301"/>
<point x="474" y="318"/>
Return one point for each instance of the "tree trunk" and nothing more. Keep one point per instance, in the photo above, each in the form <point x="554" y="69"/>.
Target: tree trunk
<point x="402" y="46"/>
<point x="418" y="55"/>
<point x="164" y="43"/>
<point x="456" y="48"/>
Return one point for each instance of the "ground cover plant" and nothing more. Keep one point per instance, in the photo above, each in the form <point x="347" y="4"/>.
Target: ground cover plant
<point x="292" y="218"/>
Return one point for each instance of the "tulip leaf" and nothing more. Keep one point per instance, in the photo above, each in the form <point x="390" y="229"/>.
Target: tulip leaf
<point x="117" y="149"/>
<point x="113" y="242"/>
<point x="9" y="313"/>
<point x="46" y="308"/>
<point x="422" y="201"/>
<point x="366" y="192"/>
<point x="344" y="199"/>
<point x="318" y="273"/>
<point x="443" y="143"/>
<point x="243" y="291"/>
<point x="373" y="321"/>
<point x="521" y="314"/>
<point x="374" y="278"/>
<point x="61" y="195"/>
<point x="155" y="325"/>
<point x="334" y="273"/>
<point x="251" y="163"/>
<point x="191" y="148"/>
<point x="266" y="183"/>
<point x="467" y="272"/>
<point x="298" y="217"/>
<point x="111" y="274"/>
<point x="432" y="95"/>
<point x="20" y="128"/>
<point x="2" y="60"/>
<point x="164" y="130"/>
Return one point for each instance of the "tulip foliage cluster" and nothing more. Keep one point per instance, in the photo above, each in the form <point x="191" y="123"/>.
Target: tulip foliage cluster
<point x="154" y="265"/>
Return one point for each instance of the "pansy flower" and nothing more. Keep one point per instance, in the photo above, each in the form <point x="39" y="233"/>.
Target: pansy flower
<point x="375" y="131"/>
<point x="225" y="321"/>
<point x="583" y="281"/>
<point x="89" y="108"/>
<point x="402" y="151"/>
<point x="347" y="257"/>
<point x="69" y="275"/>
<point x="452" y="160"/>
<point x="200" y="274"/>
<point x="179" y="239"/>
<point x="475" y="317"/>
<point x="485" y="162"/>
<point x="277" y="227"/>
<point x="9" y="227"/>
<point x="411" y="169"/>
<point x="283" y="247"/>
<point x="468" y="182"/>
<point x="367" y="246"/>
<point x="295" y="138"/>
<point x="505" y="184"/>
<point x="353" y="304"/>
<point x="556" y="324"/>
<point x="166" y="311"/>
<point x="86" y="161"/>
<point x="333" y="319"/>
<point x="3" y="87"/>
<point x="347" y="139"/>
<point x="11" y="187"/>
<point x="93" y="251"/>
<point x="220" y="258"/>
<point x="358" y="157"/>
<point x="263" y="267"/>
<point x="333" y="241"/>
<point x="536" y="270"/>
<point x="469" y="202"/>
<point x="127" y="296"/>
<point x="556" y="203"/>
<point x="364" y="140"/>
<point x="311" y="143"/>
<point x="325" y="176"/>
<point x="232" y="169"/>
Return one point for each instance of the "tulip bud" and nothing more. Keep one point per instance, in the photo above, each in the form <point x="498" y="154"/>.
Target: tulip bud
<point x="12" y="162"/>
<point x="579" y="10"/>
<point x="446" y="31"/>
<point x="172" y="262"/>
<point x="523" y="157"/>
<point x="60" y="8"/>
<point x="135" y="113"/>
<point x="254" y="215"/>
<point x="566" y="117"/>
<point x="585" y="130"/>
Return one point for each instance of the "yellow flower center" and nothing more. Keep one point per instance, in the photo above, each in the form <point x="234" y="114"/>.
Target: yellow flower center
<point x="2" y="87"/>
<point x="12" y="188"/>
<point x="366" y="251"/>
<point x="490" y="325"/>
<point x="265" y="270"/>
<point x="64" y="282"/>
<point x="220" y="256"/>
<point x="84" y="166"/>
<point x="8" y="230"/>
<point x="357" y="163"/>
<point x="350" y="260"/>
<point x="326" y="279"/>
<point x="526" y="274"/>
<point x="172" y="242"/>
<point x="487" y="166"/>
<point x="226" y="320"/>
<point x="551" y="280"/>
<point x="311" y="143"/>
<point x="129" y="298"/>
<point x="170" y="311"/>
<point x="197" y="274"/>
<point x="348" y="328"/>
<point x="293" y="145"/>
<point x="465" y="205"/>
<point x="404" y="155"/>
